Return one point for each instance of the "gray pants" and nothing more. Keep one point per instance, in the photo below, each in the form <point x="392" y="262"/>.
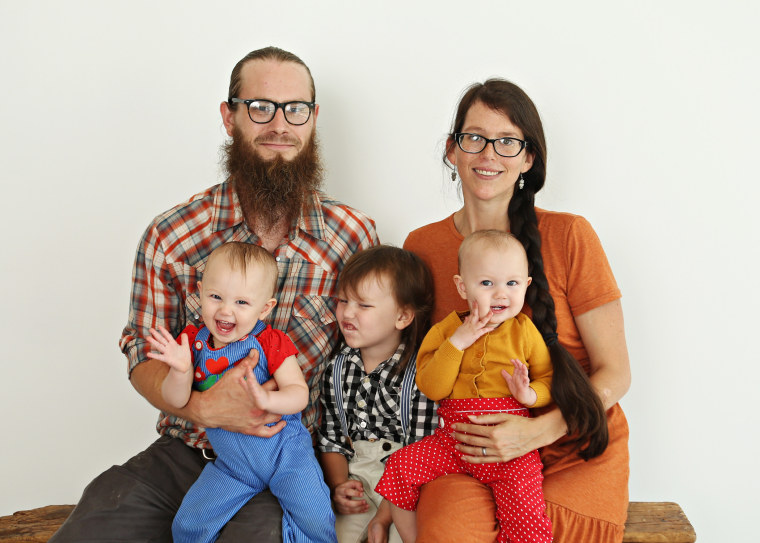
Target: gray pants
<point x="137" y="501"/>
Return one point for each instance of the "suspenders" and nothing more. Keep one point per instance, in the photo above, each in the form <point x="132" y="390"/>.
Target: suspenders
<point x="407" y="385"/>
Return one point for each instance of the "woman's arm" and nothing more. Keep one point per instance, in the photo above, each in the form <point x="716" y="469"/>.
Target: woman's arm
<point x="509" y="436"/>
<point x="603" y="336"/>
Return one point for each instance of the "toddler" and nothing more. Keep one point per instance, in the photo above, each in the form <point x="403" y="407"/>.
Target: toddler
<point x="371" y="406"/>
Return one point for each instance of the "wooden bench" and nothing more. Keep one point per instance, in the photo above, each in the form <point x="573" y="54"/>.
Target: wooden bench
<point x="648" y="522"/>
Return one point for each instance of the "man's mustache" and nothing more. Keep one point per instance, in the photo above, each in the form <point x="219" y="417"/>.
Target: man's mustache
<point x="277" y="139"/>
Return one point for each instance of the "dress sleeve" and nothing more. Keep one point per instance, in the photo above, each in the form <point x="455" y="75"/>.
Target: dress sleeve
<point x="590" y="282"/>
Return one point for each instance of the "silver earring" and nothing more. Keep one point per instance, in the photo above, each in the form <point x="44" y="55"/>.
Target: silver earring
<point x="520" y="182"/>
<point x="453" y="175"/>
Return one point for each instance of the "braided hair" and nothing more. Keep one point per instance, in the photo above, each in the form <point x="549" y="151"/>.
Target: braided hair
<point x="572" y="390"/>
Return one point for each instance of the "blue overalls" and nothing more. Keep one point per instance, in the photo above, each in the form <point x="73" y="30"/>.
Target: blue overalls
<point x="246" y="465"/>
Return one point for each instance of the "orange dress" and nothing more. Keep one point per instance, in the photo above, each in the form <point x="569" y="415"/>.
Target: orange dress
<point x="586" y="501"/>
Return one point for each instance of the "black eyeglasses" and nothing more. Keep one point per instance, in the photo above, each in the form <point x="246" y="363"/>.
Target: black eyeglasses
<point x="475" y="143"/>
<point x="263" y="111"/>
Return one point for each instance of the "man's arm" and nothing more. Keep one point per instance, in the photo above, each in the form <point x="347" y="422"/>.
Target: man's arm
<point x="224" y="405"/>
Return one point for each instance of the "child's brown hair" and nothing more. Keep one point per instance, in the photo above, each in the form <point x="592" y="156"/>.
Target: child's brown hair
<point x="410" y="282"/>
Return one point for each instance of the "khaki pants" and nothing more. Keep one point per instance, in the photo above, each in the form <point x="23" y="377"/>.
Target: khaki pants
<point x="366" y="466"/>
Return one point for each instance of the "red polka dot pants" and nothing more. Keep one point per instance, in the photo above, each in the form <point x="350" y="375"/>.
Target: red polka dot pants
<point x="516" y="485"/>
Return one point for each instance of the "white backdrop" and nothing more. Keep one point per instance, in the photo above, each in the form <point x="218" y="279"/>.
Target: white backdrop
<point x="109" y="115"/>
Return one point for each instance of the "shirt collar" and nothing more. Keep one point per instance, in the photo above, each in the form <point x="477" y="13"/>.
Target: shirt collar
<point x="354" y="355"/>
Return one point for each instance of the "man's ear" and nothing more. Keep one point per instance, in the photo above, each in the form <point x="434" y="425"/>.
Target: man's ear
<point x="459" y="282"/>
<point x="268" y="307"/>
<point x="405" y="318"/>
<point x="228" y="117"/>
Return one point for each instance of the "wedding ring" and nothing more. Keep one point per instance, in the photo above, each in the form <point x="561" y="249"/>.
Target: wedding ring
<point x="483" y="449"/>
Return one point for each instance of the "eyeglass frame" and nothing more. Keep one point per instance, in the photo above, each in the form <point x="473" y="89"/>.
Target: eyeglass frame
<point x="458" y="135"/>
<point x="277" y="105"/>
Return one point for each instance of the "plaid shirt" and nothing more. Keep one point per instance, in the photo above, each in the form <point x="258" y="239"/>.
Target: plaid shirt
<point x="172" y="255"/>
<point x="372" y="406"/>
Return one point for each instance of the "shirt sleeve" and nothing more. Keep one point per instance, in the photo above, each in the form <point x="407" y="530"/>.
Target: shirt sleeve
<point x="438" y="364"/>
<point x="277" y="346"/>
<point x="424" y="417"/>
<point x="539" y="362"/>
<point x="154" y="300"/>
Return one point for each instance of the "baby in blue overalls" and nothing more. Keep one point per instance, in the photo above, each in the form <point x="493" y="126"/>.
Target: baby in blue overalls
<point x="236" y="294"/>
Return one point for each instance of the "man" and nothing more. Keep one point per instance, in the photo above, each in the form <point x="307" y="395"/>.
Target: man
<point x="271" y="198"/>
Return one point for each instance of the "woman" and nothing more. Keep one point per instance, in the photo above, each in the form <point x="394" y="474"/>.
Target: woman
<point x="498" y="149"/>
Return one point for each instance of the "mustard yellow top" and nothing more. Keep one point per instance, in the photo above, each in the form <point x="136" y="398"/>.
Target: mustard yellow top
<point x="443" y="371"/>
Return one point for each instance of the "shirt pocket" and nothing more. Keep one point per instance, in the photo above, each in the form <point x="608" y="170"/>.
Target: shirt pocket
<point x="193" y="310"/>
<point x="388" y="404"/>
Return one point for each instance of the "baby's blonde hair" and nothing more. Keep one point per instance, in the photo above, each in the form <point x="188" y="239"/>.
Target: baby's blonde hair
<point x="239" y="255"/>
<point x="489" y="239"/>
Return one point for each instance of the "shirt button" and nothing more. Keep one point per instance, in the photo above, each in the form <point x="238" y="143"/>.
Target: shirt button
<point x="479" y="354"/>
<point x="363" y="424"/>
<point x="361" y="403"/>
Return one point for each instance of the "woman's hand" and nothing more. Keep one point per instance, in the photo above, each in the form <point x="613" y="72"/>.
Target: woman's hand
<point x="504" y="437"/>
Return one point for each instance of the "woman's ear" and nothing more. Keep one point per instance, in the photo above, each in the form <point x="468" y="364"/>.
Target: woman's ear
<point x="450" y="151"/>
<point x="405" y="318"/>
<point x="528" y="164"/>
<point x="459" y="282"/>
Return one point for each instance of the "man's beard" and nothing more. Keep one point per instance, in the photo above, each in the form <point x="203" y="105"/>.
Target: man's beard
<point x="271" y="192"/>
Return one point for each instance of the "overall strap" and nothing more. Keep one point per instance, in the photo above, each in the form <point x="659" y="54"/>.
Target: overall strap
<point x="407" y="386"/>
<point x="337" y="382"/>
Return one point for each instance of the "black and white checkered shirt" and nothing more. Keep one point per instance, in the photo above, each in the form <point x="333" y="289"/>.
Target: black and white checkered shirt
<point x="372" y="404"/>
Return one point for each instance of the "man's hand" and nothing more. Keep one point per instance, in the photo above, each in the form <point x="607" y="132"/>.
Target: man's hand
<point x="227" y="405"/>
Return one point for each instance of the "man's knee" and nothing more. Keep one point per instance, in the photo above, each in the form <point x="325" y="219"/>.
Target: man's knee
<point x="259" y="520"/>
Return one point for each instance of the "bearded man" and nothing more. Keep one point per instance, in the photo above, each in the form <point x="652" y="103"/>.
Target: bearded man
<point x="271" y="198"/>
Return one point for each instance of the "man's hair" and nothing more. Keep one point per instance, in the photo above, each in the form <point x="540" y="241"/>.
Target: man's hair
<point x="240" y="255"/>
<point x="489" y="239"/>
<point x="267" y="53"/>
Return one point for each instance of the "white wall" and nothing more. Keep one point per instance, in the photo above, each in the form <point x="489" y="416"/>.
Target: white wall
<point x="109" y="115"/>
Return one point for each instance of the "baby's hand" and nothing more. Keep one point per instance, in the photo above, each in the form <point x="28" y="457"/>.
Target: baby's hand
<point x="347" y="498"/>
<point x="473" y="327"/>
<point x="175" y="355"/>
<point x="519" y="384"/>
<point x="256" y="392"/>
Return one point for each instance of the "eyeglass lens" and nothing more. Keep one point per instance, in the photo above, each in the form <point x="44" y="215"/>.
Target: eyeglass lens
<point x="474" y="143"/>
<point x="263" y="111"/>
